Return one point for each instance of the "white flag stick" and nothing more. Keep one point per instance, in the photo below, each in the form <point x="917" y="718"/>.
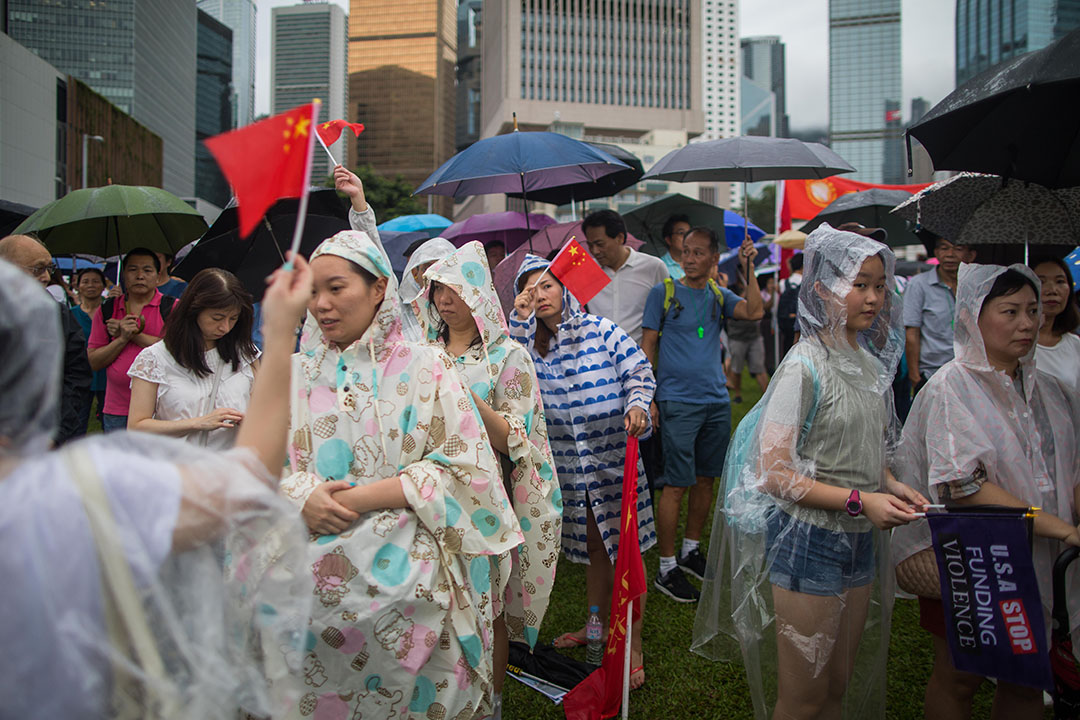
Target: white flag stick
<point x="301" y="213"/>
<point x="319" y="138"/>
<point x="626" y="659"/>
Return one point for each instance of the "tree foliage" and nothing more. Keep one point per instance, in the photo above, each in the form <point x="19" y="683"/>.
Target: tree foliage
<point x="762" y="208"/>
<point x="390" y="197"/>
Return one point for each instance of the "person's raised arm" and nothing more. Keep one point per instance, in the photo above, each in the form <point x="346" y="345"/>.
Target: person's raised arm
<point x="751" y="307"/>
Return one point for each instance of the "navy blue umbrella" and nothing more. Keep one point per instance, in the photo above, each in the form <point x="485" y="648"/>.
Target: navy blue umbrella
<point x="396" y="244"/>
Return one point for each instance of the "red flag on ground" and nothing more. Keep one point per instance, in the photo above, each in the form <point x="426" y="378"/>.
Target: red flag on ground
<point x="578" y="271"/>
<point x="331" y="130"/>
<point x="265" y="161"/>
<point x="804" y="199"/>
<point x="600" y="695"/>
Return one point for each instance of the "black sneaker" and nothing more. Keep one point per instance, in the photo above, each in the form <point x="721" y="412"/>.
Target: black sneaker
<point x="676" y="586"/>
<point x="693" y="563"/>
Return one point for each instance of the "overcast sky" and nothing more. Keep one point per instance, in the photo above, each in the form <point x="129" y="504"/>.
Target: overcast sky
<point x="803" y="25"/>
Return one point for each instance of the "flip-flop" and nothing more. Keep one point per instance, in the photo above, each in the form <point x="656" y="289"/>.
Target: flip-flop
<point x="569" y="640"/>
<point x="640" y="668"/>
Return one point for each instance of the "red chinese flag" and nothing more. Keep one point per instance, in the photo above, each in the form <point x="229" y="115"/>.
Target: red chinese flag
<point x="331" y="130"/>
<point x="265" y="161"/>
<point x="579" y="272"/>
<point x="806" y="198"/>
<point x="600" y="695"/>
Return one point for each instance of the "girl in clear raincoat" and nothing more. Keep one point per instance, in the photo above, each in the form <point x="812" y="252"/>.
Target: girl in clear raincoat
<point x="798" y="561"/>
<point x="395" y="477"/>
<point x="460" y="312"/>
<point x="991" y="429"/>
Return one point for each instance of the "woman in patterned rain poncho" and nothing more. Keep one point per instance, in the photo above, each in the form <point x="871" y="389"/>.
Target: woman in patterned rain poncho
<point x="397" y="482"/>
<point x="461" y="312"/>
<point x="798" y="584"/>
<point x="991" y="429"/>
<point x="597" y="385"/>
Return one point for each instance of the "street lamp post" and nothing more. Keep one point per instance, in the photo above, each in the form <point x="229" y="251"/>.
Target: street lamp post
<point x="86" y="138"/>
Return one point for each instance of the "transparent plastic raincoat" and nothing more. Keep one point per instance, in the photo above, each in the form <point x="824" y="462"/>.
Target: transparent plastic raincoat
<point x="827" y="416"/>
<point x="971" y="417"/>
<point x="134" y="568"/>
<point x="592" y="375"/>
<point x="500" y="371"/>
<point x="401" y="623"/>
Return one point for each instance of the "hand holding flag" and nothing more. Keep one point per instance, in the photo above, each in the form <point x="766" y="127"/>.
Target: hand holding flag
<point x="578" y="271"/>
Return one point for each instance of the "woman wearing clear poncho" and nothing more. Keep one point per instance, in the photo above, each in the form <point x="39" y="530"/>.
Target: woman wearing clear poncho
<point x="395" y="477"/>
<point x="117" y="600"/>
<point x="461" y="312"/>
<point x="991" y="429"/>
<point x="798" y="579"/>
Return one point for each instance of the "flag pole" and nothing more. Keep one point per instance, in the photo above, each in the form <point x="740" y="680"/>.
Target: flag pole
<point x="321" y="142"/>
<point x="627" y="645"/>
<point x="301" y="213"/>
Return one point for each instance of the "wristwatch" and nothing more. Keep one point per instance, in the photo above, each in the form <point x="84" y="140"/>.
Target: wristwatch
<point x="854" y="504"/>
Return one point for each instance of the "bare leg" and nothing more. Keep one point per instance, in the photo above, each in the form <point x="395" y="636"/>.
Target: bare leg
<point x="667" y="518"/>
<point x="501" y="652"/>
<point x="599" y="579"/>
<point x="949" y="692"/>
<point x="1016" y="702"/>
<point x="701" y="502"/>
<point x="762" y="381"/>
<point x="807" y="629"/>
<point x="856" y="605"/>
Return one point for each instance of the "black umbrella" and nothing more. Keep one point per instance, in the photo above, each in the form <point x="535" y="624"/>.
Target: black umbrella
<point x="1020" y="119"/>
<point x="605" y="186"/>
<point x="12" y="214"/>
<point x="253" y="258"/>
<point x="870" y="208"/>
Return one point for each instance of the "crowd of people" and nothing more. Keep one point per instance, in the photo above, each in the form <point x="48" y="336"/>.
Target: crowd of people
<point x="357" y="522"/>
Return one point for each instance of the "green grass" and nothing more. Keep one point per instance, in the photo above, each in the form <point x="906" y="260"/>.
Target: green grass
<point x="680" y="684"/>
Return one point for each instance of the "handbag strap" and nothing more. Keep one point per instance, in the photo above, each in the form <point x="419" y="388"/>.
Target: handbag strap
<point x="204" y="436"/>
<point x="128" y="628"/>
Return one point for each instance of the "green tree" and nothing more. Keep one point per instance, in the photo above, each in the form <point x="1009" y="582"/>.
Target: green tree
<point x="390" y="197"/>
<point x="762" y="209"/>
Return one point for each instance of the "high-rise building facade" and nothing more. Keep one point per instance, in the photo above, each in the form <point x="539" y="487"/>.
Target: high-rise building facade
<point x="402" y="55"/>
<point x="865" y="88"/>
<point x="764" y="62"/>
<point x="240" y="17"/>
<point x="990" y="31"/>
<point x="213" y="104"/>
<point x="308" y="59"/>
<point x="758" y="109"/>
<point x="467" y="110"/>
<point x="138" y="55"/>
<point x="721" y="75"/>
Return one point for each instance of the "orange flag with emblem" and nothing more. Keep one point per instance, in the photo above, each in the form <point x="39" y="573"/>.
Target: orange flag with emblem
<point x="804" y="199"/>
<point x="265" y="161"/>
<point x="578" y="271"/>
<point x="600" y="694"/>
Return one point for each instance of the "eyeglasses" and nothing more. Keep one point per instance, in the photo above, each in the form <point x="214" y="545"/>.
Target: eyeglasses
<point x="41" y="269"/>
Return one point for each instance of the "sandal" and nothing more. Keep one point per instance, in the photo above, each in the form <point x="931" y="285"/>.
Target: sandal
<point x="635" y="671"/>
<point x="568" y="640"/>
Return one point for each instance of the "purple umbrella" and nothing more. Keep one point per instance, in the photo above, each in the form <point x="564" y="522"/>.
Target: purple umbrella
<point x="510" y="228"/>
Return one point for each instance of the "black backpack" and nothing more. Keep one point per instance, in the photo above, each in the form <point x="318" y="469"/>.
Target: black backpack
<point x="167" y="302"/>
<point x="787" y="307"/>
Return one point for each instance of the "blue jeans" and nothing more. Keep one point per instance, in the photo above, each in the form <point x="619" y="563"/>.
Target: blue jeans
<point x="112" y="423"/>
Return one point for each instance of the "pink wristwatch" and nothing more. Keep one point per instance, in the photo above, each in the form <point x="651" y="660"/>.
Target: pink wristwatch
<point x="854" y="504"/>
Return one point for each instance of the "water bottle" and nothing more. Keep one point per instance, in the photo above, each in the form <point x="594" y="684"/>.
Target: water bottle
<point x="594" y="631"/>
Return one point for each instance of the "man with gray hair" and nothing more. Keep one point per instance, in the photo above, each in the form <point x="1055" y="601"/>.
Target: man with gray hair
<point x="33" y="258"/>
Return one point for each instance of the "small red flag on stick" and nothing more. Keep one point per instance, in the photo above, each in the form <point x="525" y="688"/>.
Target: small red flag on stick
<point x="578" y="271"/>
<point x="331" y="130"/>
<point x="265" y="161"/>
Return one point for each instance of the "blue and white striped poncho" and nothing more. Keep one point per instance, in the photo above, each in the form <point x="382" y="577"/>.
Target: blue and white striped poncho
<point x="593" y="373"/>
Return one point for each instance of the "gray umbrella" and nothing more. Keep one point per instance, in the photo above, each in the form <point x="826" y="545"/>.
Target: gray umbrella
<point x="871" y="208"/>
<point x="749" y="158"/>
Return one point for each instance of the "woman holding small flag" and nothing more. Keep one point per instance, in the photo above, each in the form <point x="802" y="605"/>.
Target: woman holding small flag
<point x="596" y="384"/>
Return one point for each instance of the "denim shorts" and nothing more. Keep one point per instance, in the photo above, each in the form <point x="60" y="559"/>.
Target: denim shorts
<point x="808" y="559"/>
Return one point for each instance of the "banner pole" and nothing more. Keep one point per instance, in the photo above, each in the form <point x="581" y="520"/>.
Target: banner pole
<point x="301" y="213"/>
<point x="627" y="644"/>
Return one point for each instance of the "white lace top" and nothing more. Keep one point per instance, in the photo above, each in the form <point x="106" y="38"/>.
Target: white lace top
<point x="181" y="394"/>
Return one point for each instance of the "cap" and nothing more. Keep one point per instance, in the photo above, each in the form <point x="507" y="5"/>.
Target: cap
<point x="879" y="234"/>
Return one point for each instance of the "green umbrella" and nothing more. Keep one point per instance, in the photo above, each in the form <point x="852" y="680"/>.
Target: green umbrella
<point x="114" y="219"/>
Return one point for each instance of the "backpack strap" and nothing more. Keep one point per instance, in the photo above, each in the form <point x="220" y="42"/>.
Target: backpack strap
<point x="814" y="400"/>
<point x="669" y="297"/>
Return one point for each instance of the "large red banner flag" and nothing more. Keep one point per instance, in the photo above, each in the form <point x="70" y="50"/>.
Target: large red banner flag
<point x="804" y="199"/>
<point x="265" y="161"/>
<point x="600" y="695"/>
<point x="578" y="271"/>
<point x="331" y="130"/>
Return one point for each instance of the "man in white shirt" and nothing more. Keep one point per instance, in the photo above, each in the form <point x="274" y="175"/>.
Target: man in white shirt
<point x="632" y="274"/>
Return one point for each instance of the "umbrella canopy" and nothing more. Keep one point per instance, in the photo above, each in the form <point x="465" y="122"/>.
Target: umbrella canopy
<point x="544" y="242"/>
<point x="1020" y="119"/>
<point x="907" y="268"/>
<point x="396" y="243"/>
<point x="748" y="158"/>
<point x="791" y="240"/>
<point x="605" y="186"/>
<point x="647" y="221"/>
<point x="871" y="208"/>
<point x="729" y="261"/>
<point x="510" y="228"/>
<point x="426" y="222"/>
<point x="974" y="209"/>
<point x="111" y="220"/>
<point x="1073" y="261"/>
<point x="253" y="258"/>
<point x="12" y="214"/>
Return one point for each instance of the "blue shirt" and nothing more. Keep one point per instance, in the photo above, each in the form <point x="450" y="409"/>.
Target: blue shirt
<point x="674" y="269"/>
<point x="689" y="368"/>
<point x="86" y="323"/>
<point x="173" y="288"/>
<point x="929" y="305"/>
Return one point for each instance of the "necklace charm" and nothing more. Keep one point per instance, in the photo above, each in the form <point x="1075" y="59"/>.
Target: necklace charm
<point x="700" y="331"/>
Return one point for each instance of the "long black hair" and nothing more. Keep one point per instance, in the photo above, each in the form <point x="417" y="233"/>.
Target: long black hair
<point x="440" y="324"/>
<point x="211" y="289"/>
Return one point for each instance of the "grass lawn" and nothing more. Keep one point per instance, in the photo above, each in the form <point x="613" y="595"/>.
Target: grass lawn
<point x="680" y="684"/>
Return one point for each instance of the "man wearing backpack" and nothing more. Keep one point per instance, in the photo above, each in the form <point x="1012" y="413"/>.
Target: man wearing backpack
<point x="692" y="410"/>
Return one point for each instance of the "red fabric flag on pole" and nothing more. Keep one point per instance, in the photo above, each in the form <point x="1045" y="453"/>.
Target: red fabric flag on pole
<point x="600" y="695"/>
<point x="265" y="161"/>
<point x="331" y="130"/>
<point x="804" y="199"/>
<point x="578" y="271"/>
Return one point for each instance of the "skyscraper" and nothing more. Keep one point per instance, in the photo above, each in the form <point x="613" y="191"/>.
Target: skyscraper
<point x="139" y="55"/>
<point x="865" y="88"/>
<point x="758" y="109"/>
<point x="467" y="111"/>
<point x="763" y="61"/>
<point x="989" y="31"/>
<point x="213" y="104"/>
<point x="722" y="85"/>
<point x="308" y="59"/>
<point x="402" y="55"/>
<point x="239" y="16"/>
